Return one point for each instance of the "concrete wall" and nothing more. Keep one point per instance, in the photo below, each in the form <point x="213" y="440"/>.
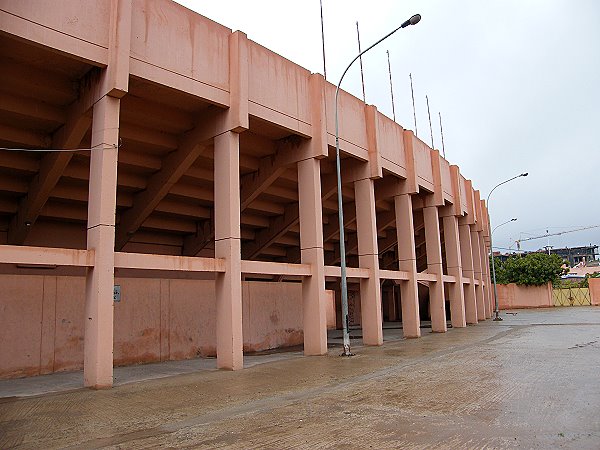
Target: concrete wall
<point x="42" y="318"/>
<point x="594" y="284"/>
<point x="513" y="296"/>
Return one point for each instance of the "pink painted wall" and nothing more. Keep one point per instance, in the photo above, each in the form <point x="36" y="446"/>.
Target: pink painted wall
<point x="463" y="194"/>
<point x="391" y="145"/>
<point x="512" y="296"/>
<point x="446" y="179"/>
<point x="272" y="315"/>
<point x="64" y="27"/>
<point x="330" y="312"/>
<point x="41" y="321"/>
<point x="423" y="164"/>
<point x="594" y="284"/>
<point x="168" y="36"/>
<point x="352" y="126"/>
<point x="269" y="76"/>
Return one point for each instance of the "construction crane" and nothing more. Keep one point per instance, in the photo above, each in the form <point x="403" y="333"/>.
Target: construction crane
<point x="518" y="242"/>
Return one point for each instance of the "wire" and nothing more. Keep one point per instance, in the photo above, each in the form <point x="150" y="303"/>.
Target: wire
<point x="45" y="149"/>
<point x="511" y="249"/>
<point x="119" y="145"/>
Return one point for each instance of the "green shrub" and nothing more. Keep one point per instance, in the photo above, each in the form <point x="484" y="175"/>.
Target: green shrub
<point x="534" y="269"/>
<point x="585" y="283"/>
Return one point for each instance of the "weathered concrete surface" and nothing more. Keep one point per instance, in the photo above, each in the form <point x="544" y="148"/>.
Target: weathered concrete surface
<point x="156" y="320"/>
<point x="514" y="296"/>
<point x="531" y="381"/>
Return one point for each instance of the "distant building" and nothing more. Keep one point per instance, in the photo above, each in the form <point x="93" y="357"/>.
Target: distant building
<point x="504" y="256"/>
<point x="575" y="255"/>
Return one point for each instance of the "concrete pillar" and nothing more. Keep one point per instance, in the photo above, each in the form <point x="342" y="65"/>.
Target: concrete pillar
<point x="393" y="304"/>
<point x="491" y="289"/>
<point x="454" y="264"/>
<point x="368" y="258"/>
<point x="437" y="303"/>
<point x="490" y="286"/>
<point x="466" y="253"/>
<point x="228" y="285"/>
<point x="337" y="290"/>
<point x="486" y="297"/>
<point x="484" y="275"/>
<point x="478" y="275"/>
<point x="490" y="293"/>
<point x="407" y="261"/>
<point x="99" y="306"/>
<point x="311" y="251"/>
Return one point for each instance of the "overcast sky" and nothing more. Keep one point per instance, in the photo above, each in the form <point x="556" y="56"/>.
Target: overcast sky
<point x="517" y="83"/>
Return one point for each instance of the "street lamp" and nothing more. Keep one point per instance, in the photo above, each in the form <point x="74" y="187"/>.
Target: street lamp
<point x="493" y="266"/>
<point x="503" y="223"/>
<point x="487" y="202"/>
<point x="412" y="21"/>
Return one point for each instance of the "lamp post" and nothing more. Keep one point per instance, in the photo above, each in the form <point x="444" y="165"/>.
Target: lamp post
<point x="487" y="202"/>
<point x="492" y="233"/>
<point x="492" y="252"/>
<point x="412" y="21"/>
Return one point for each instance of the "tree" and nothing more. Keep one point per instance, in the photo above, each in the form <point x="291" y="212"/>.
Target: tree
<point x="586" y="283"/>
<point x="535" y="269"/>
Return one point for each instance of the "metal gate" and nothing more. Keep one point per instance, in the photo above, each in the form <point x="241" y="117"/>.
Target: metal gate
<point x="571" y="297"/>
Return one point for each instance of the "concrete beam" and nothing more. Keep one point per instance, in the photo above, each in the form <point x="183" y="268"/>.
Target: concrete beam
<point x="282" y="224"/>
<point x="173" y="168"/>
<point x="52" y="167"/>
<point x="278" y="227"/>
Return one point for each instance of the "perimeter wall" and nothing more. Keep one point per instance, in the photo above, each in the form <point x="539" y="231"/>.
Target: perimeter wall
<point x="42" y="321"/>
<point x="513" y="296"/>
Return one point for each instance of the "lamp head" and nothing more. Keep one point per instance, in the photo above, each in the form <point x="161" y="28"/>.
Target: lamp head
<point x="513" y="219"/>
<point x="525" y="174"/>
<point x="412" y="21"/>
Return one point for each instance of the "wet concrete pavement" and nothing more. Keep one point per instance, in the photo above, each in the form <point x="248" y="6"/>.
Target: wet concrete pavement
<point x="531" y="381"/>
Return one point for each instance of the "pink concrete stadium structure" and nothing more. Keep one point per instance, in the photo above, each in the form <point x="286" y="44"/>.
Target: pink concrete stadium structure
<point x="202" y="166"/>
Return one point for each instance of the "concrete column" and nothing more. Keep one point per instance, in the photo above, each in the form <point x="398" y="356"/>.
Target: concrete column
<point x="337" y="290"/>
<point x="98" y="331"/>
<point x="486" y="299"/>
<point x="489" y="281"/>
<point x="407" y="261"/>
<point x="454" y="264"/>
<point x="165" y="322"/>
<point x="478" y="275"/>
<point x="437" y="303"/>
<point x="485" y="275"/>
<point x="228" y="285"/>
<point x="490" y="293"/>
<point x="368" y="258"/>
<point x="491" y="289"/>
<point x="466" y="253"/>
<point x="393" y="304"/>
<point x="311" y="251"/>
